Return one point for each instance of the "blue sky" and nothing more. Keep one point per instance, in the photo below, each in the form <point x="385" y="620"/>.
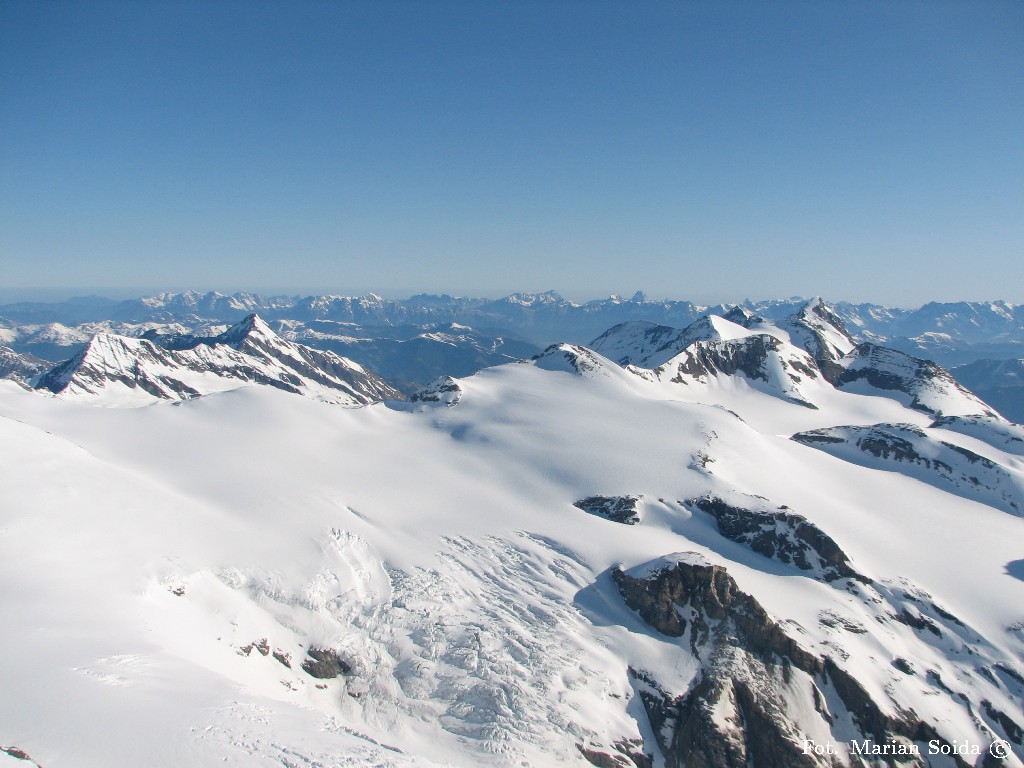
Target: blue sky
<point x="711" y="151"/>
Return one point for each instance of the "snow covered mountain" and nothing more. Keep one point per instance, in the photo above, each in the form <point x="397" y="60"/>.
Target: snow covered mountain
<point x="989" y="429"/>
<point x="375" y="331"/>
<point x="647" y="345"/>
<point x="798" y="357"/>
<point x="762" y="361"/>
<point x="541" y="317"/>
<point x="563" y="561"/>
<point x="118" y="370"/>
<point x="817" y="328"/>
<point x="19" y="367"/>
<point x="926" y="456"/>
<point x="925" y="386"/>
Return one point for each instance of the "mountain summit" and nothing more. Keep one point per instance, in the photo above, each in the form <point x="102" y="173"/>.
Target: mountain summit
<point x="119" y="370"/>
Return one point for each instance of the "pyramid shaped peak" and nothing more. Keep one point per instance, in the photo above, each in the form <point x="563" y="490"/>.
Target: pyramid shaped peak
<point x="738" y="314"/>
<point x="817" y="311"/>
<point x="821" y="308"/>
<point x="253" y="326"/>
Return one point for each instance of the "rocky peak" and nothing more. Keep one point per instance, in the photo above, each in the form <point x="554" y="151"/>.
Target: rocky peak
<point x="251" y="328"/>
<point x="19" y="367"/>
<point x="117" y="369"/>
<point x="872" y="369"/>
<point x="443" y="390"/>
<point x="784" y="368"/>
<point x="759" y="692"/>
<point x="571" y="358"/>
<point x="648" y="345"/>
<point x="635" y="341"/>
<point x="817" y="328"/>
<point x="741" y="316"/>
<point x="532" y="299"/>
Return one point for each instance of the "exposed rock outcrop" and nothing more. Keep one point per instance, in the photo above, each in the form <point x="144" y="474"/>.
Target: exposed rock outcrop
<point x="619" y="509"/>
<point x="443" y="391"/>
<point x="997" y="432"/>
<point x="817" y="328"/>
<point x="912" y="451"/>
<point x="779" y="367"/>
<point x="571" y="358"/>
<point x="20" y="367"/>
<point x="748" y="704"/>
<point x="781" y="535"/>
<point x="325" y="664"/>
<point x="19" y="754"/>
<point x="925" y="386"/>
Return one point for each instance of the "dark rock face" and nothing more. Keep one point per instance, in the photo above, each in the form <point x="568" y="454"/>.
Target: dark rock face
<point x="747" y="706"/>
<point x="740" y="648"/>
<point x="570" y="357"/>
<point x="742" y="316"/>
<point x="712" y="597"/>
<point x="749" y="357"/>
<point x="640" y="337"/>
<point x="619" y="509"/>
<point x="20" y="367"/>
<point x="780" y="534"/>
<point x="927" y="384"/>
<point x="14" y="752"/>
<point x="625" y="756"/>
<point x="443" y="390"/>
<point x="758" y="358"/>
<point x="1010" y="727"/>
<point x="818" y="329"/>
<point x="324" y="664"/>
<point x="910" y="450"/>
<point x="253" y="337"/>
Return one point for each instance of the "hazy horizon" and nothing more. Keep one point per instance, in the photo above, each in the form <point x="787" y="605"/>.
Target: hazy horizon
<point x="57" y="295"/>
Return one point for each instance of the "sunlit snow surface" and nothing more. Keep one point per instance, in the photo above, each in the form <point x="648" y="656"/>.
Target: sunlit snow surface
<point x="438" y="551"/>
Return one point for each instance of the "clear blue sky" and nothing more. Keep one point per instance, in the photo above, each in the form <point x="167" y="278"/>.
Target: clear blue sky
<point x="705" y="150"/>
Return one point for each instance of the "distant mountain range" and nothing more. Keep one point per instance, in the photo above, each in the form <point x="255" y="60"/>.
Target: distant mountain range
<point x="412" y="341"/>
<point x="542" y="318"/>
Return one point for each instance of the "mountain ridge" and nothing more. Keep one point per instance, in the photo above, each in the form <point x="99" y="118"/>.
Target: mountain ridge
<point x="398" y="338"/>
<point x="119" y="369"/>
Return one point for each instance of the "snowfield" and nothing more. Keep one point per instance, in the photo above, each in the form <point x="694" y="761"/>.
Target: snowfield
<point x="173" y="572"/>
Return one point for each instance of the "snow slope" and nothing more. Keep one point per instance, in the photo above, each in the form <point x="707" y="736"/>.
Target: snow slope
<point x="175" y="566"/>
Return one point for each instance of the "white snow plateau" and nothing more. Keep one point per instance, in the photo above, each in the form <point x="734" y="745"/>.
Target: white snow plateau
<point x="737" y="544"/>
